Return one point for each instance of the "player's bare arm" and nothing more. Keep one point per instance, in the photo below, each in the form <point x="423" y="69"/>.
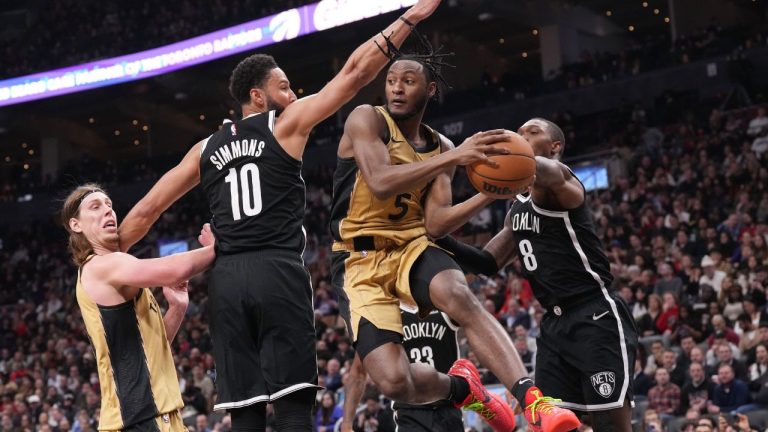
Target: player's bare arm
<point x="126" y="273"/>
<point x="441" y="217"/>
<point x="386" y="180"/>
<point x="353" y="388"/>
<point x="298" y="119"/>
<point x="503" y="246"/>
<point x="178" y="300"/>
<point x="555" y="187"/>
<point x="171" y="186"/>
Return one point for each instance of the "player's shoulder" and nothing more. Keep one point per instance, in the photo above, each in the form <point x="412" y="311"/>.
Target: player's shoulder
<point x="445" y="142"/>
<point x="365" y="113"/>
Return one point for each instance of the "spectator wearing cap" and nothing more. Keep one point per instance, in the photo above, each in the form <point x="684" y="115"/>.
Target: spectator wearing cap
<point x="711" y="276"/>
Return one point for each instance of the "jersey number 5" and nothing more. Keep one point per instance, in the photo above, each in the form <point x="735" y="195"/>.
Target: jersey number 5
<point x="401" y="205"/>
<point x="526" y="250"/>
<point x="251" y="185"/>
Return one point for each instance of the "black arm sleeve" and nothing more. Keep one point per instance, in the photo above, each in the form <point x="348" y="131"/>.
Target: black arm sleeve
<point x="470" y="258"/>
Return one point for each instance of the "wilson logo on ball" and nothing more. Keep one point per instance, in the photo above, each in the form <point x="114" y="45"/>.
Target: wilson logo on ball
<point x="492" y="188"/>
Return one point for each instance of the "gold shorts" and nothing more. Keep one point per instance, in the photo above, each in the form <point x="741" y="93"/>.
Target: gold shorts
<point x="375" y="283"/>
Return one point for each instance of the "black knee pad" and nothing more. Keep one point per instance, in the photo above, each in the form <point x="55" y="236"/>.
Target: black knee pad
<point x="293" y="412"/>
<point x="251" y="418"/>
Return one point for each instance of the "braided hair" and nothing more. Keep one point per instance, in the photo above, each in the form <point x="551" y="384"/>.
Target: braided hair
<point x="432" y="60"/>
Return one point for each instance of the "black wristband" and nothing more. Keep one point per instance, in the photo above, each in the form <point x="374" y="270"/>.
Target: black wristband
<point x="470" y="258"/>
<point x="405" y="20"/>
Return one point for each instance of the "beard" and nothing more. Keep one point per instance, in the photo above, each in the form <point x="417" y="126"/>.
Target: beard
<point x="418" y="108"/>
<point x="274" y="105"/>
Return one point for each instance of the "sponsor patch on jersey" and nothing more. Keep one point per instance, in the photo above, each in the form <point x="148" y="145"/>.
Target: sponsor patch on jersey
<point x="604" y="383"/>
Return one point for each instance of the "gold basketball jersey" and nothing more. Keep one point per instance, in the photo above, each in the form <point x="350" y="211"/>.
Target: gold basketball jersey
<point x="357" y="212"/>
<point x="137" y="375"/>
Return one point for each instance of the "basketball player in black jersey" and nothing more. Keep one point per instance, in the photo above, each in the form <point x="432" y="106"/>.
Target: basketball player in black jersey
<point x="434" y="341"/>
<point x="261" y="313"/>
<point x="588" y="338"/>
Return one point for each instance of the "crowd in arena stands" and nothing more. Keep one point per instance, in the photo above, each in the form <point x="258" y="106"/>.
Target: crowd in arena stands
<point x="53" y="42"/>
<point x="685" y="226"/>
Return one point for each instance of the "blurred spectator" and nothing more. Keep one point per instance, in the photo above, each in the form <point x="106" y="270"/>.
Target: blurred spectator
<point x="374" y="417"/>
<point x="697" y="391"/>
<point x="328" y="413"/>
<point x="664" y="397"/>
<point x="730" y="393"/>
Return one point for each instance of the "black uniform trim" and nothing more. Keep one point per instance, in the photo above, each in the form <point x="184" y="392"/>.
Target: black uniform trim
<point x="343" y="183"/>
<point x="129" y="364"/>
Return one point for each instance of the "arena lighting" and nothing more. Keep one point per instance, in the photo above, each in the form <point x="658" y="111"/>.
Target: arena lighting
<point x="276" y="28"/>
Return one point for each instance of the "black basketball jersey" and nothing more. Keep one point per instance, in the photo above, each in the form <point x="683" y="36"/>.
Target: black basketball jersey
<point x="254" y="188"/>
<point x="559" y="252"/>
<point x="432" y="340"/>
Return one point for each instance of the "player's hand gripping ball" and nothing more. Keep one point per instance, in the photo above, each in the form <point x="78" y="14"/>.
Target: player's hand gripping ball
<point x="514" y="173"/>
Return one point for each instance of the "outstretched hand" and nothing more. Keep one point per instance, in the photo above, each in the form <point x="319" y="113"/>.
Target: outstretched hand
<point x="178" y="294"/>
<point x="206" y="237"/>
<point x="480" y="146"/>
<point x="423" y="9"/>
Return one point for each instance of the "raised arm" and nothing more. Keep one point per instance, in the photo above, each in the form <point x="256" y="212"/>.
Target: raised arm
<point x="440" y="215"/>
<point x="171" y="186"/>
<point x="386" y="180"/>
<point x="298" y="119"/>
<point x="555" y="187"/>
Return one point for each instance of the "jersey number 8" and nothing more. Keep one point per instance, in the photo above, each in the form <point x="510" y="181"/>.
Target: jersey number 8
<point x="249" y="181"/>
<point x="526" y="250"/>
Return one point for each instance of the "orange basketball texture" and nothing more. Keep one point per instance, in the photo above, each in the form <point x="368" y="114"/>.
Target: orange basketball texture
<point x="514" y="172"/>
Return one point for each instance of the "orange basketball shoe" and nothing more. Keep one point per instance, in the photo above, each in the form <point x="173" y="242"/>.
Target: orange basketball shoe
<point x="492" y="408"/>
<point x="544" y="416"/>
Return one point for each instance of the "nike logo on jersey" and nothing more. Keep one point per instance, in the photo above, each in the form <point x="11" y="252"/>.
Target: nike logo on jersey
<point x="597" y="317"/>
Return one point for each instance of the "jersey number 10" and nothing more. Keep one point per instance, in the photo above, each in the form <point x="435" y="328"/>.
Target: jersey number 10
<point x="251" y="185"/>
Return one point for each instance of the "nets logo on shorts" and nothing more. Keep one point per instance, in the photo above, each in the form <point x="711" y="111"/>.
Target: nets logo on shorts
<point x="604" y="383"/>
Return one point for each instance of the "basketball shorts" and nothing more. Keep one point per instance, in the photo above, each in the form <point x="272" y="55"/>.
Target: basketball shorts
<point x="443" y="417"/>
<point x="169" y="422"/>
<point x="586" y="353"/>
<point x="371" y="284"/>
<point x="262" y="327"/>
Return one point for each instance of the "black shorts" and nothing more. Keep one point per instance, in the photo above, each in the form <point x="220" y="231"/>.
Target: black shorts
<point x="441" y="418"/>
<point x="262" y="327"/>
<point x="586" y="354"/>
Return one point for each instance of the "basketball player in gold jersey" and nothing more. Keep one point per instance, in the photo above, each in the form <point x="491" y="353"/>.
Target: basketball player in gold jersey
<point x="392" y="192"/>
<point x="131" y="339"/>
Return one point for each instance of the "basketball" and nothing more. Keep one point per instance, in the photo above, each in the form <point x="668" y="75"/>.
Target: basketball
<point x="514" y="172"/>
